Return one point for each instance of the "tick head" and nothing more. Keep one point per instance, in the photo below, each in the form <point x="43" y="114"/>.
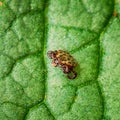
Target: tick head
<point x="51" y="54"/>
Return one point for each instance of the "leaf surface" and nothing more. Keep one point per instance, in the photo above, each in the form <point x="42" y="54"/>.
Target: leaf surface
<point x="31" y="88"/>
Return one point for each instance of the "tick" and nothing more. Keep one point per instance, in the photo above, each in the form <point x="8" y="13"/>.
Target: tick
<point x="65" y="61"/>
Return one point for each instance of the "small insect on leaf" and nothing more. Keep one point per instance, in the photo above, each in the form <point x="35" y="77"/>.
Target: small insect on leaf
<point x="65" y="61"/>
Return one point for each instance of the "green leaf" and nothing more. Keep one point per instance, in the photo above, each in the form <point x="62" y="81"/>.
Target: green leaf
<point x="31" y="88"/>
<point x="110" y="67"/>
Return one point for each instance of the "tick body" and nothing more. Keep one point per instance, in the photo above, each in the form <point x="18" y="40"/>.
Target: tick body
<point x="64" y="60"/>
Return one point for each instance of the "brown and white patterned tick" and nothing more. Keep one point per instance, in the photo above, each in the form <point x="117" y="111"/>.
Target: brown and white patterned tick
<point x="65" y="61"/>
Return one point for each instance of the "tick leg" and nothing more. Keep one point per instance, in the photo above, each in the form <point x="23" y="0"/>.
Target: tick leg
<point x="74" y="75"/>
<point x="55" y="63"/>
<point x="66" y="69"/>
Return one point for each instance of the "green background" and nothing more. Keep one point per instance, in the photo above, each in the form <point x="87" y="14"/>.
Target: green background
<point x="30" y="88"/>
